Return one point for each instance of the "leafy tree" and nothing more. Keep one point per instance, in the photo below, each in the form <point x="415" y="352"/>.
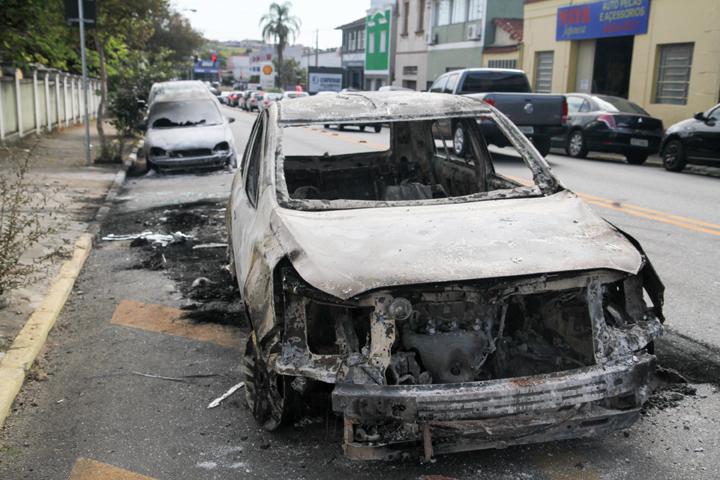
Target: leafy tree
<point x="129" y="89"/>
<point x="33" y="31"/>
<point x="290" y="73"/>
<point x="280" y="26"/>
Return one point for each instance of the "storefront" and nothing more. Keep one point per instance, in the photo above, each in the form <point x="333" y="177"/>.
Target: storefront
<point x="662" y="54"/>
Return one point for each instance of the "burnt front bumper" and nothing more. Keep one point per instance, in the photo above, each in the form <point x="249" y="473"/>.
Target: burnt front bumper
<point x="497" y="413"/>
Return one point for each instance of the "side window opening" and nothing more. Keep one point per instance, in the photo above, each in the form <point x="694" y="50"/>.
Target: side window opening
<point x="253" y="163"/>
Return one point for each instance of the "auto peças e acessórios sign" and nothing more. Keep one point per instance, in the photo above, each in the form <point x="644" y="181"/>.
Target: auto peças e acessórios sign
<point x="608" y="18"/>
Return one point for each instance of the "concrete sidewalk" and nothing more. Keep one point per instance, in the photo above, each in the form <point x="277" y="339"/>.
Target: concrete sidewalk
<point x="76" y="191"/>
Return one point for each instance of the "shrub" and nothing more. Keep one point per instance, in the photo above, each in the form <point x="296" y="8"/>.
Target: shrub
<point x="21" y="226"/>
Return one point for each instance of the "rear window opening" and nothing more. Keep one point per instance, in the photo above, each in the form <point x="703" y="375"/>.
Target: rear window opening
<point x="406" y="162"/>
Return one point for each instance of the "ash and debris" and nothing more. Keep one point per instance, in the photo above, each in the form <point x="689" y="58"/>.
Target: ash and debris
<point x="201" y="273"/>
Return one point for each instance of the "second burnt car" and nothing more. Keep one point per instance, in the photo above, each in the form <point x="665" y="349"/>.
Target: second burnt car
<point x="445" y="303"/>
<point x="187" y="130"/>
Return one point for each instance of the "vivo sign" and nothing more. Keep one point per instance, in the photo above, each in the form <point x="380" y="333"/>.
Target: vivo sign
<point x="608" y="18"/>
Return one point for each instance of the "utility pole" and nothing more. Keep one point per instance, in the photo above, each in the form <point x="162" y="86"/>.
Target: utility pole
<point x="316" y="46"/>
<point x="86" y="120"/>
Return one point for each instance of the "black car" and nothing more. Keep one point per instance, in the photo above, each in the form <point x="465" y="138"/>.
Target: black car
<point x="695" y="140"/>
<point x="609" y="124"/>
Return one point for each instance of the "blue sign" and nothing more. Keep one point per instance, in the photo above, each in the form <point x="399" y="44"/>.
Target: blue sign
<point x="608" y="18"/>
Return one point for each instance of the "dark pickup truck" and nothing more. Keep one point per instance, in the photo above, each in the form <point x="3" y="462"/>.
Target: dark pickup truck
<point x="539" y="116"/>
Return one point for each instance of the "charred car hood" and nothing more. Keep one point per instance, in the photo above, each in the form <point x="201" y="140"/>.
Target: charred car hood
<point x="347" y="252"/>
<point x="186" y="137"/>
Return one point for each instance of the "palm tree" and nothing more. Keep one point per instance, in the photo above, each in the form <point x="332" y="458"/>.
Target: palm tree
<point x="279" y="25"/>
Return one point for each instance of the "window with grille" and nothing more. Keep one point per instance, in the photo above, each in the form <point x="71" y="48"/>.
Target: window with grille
<point x="543" y="71"/>
<point x="410" y="70"/>
<point x="506" y="63"/>
<point x="673" y="73"/>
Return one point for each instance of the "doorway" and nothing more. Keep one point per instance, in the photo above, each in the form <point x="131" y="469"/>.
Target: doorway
<point x="611" y="70"/>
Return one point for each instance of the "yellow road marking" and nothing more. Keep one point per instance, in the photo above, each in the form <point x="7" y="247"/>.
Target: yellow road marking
<point x="86" y="469"/>
<point x="170" y="321"/>
<point x="687" y="223"/>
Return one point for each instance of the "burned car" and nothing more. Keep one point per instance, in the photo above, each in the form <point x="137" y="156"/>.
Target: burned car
<point x="186" y="129"/>
<point x="444" y="303"/>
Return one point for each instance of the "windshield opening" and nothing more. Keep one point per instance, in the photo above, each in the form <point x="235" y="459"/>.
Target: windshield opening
<point x="189" y="113"/>
<point x="495" y="81"/>
<point x="435" y="161"/>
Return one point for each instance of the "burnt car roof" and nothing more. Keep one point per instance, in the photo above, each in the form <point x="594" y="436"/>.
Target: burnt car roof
<point x="388" y="106"/>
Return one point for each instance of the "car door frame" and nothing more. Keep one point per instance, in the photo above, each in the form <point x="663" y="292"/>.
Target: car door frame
<point x="707" y="136"/>
<point x="244" y="209"/>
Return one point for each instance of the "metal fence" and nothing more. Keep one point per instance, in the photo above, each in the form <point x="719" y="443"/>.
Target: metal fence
<point x="42" y="101"/>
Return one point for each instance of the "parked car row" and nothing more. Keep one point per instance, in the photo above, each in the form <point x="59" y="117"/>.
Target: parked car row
<point x="251" y="100"/>
<point x="581" y="123"/>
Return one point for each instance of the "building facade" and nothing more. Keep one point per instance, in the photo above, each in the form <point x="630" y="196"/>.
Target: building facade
<point x="413" y="25"/>
<point x="461" y="29"/>
<point x="352" y="54"/>
<point x="380" y="25"/>
<point x="503" y="46"/>
<point x="661" y="54"/>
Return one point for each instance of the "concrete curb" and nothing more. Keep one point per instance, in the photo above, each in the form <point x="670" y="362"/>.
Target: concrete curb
<point x="28" y="343"/>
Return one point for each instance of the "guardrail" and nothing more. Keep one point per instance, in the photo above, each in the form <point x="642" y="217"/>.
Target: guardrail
<point x="43" y="101"/>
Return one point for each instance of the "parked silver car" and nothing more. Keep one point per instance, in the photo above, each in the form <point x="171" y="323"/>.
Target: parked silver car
<point x="187" y="130"/>
<point x="445" y="303"/>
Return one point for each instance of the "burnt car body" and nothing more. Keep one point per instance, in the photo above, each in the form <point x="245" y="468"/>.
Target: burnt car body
<point x="445" y="306"/>
<point x="187" y="130"/>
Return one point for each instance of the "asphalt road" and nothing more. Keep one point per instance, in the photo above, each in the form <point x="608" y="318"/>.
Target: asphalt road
<point x="123" y="388"/>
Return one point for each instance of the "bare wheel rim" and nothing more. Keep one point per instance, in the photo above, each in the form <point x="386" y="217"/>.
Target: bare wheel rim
<point x="576" y="143"/>
<point x="459" y="140"/>
<point x="671" y="154"/>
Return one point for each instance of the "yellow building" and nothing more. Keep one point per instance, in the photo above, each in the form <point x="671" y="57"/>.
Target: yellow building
<point x="661" y="54"/>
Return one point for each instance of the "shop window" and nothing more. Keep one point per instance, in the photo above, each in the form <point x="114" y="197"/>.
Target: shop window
<point x="543" y="72"/>
<point x="421" y="17"/>
<point x="442" y="12"/>
<point x="475" y="9"/>
<point x="504" y="63"/>
<point x="673" y="73"/>
<point x="458" y="11"/>
<point x="406" y="18"/>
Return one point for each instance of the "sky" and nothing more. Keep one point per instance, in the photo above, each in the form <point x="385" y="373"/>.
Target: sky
<point x="239" y="19"/>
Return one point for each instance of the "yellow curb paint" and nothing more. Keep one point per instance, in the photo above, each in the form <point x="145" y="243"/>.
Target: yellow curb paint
<point x="168" y="320"/>
<point x="28" y="343"/>
<point x="86" y="469"/>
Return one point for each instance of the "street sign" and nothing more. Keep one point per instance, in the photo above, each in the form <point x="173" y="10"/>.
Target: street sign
<point x="608" y="18"/>
<point x="72" y="12"/>
<point x="324" y="79"/>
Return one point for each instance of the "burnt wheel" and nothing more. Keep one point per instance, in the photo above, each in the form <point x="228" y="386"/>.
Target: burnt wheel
<point x="378" y="128"/>
<point x="576" y="146"/>
<point x="673" y="156"/>
<point x="362" y="128"/>
<point x="269" y="396"/>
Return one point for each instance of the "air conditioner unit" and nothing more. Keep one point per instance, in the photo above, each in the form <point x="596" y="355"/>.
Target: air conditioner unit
<point x="474" y="32"/>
